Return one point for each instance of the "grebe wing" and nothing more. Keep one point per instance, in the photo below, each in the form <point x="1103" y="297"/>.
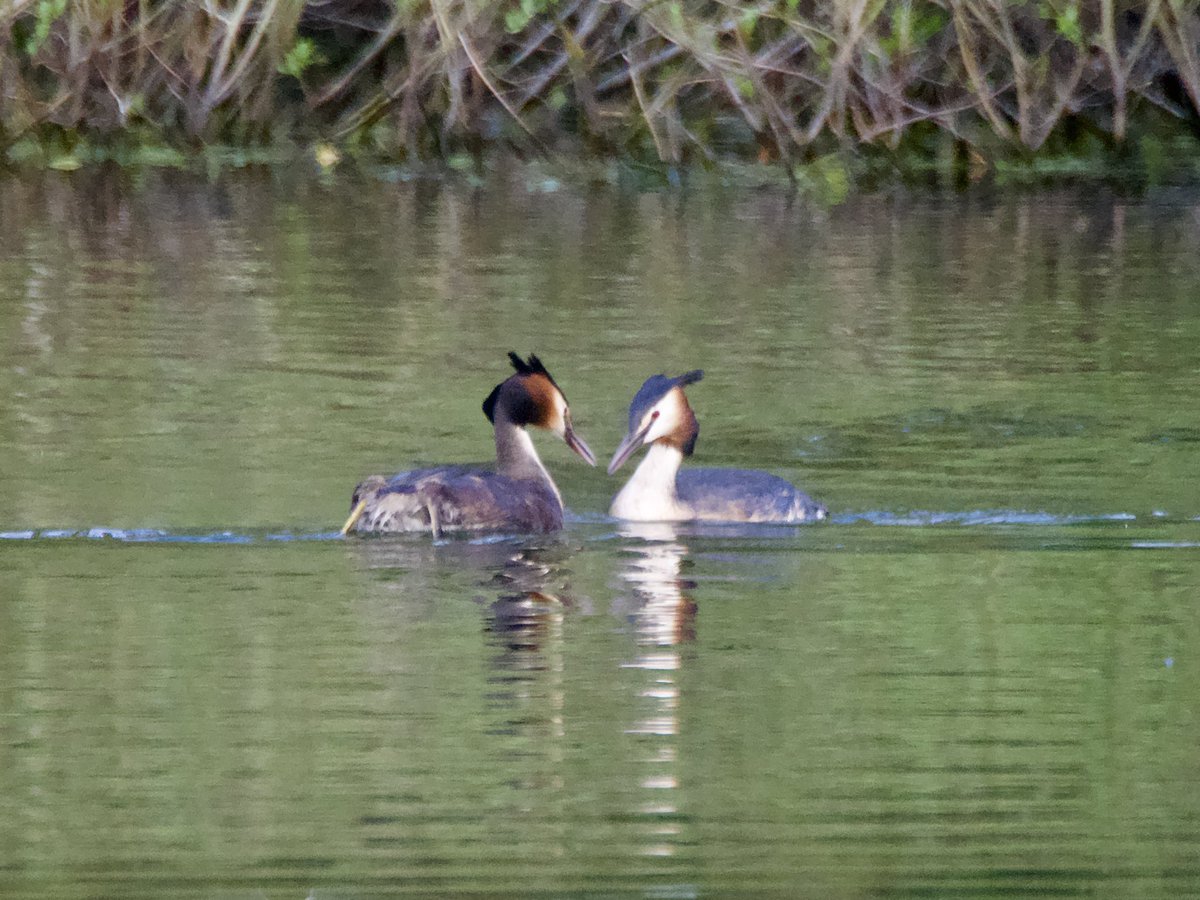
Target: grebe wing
<point x="459" y="498"/>
<point x="744" y="495"/>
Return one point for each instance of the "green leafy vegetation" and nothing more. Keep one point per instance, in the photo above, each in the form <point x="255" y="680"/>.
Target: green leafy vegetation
<point x="964" y="89"/>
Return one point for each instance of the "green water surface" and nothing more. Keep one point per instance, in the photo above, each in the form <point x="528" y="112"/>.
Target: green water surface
<point x="979" y="679"/>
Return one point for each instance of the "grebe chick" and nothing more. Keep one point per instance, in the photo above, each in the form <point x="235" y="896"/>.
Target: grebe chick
<point x="518" y="495"/>
<point x="658" y="491"/>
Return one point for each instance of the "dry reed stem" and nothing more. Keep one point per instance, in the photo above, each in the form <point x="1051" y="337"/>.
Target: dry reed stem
<point x="794" y="73"/>
<point x="1181" y="35"/>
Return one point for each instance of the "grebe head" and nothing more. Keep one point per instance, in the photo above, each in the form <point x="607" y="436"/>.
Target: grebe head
<point x="660" y="413"/>
<point x="531" y="397"/>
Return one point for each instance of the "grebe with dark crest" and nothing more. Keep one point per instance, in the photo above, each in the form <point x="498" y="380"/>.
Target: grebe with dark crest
<point x="518" y="495"/>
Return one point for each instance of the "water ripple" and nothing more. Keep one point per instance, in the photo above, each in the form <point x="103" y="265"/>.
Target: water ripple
<point x="160" y="536"/>
<point x="1010" y="522"/>
<point x="919" y="517"/>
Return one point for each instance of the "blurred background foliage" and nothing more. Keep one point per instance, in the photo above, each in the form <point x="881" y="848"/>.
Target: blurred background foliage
<point x="957" y="87"/>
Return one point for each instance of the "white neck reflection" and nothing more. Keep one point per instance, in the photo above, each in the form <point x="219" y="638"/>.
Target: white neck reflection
<point x="662" y="613"/>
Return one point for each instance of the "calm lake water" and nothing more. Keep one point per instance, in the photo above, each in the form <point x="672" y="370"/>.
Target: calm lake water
<point x="979" y="679"/>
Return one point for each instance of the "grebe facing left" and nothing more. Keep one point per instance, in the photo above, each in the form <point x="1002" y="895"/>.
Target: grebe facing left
<point x="659" y="491"/>
<point x="518" y="495"/>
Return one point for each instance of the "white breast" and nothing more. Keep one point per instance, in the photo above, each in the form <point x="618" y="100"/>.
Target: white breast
<point x="649" y="495"/>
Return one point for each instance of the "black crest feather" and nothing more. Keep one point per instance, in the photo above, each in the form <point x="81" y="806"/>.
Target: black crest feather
<point x="526" y="368"/>
<point x="532" y="366"/>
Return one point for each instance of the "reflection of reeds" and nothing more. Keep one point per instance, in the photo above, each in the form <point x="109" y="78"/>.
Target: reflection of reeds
<point x="673" y="79"/>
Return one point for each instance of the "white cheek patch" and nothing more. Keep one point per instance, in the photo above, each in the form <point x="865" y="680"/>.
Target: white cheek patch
<point x="657" y="426"/>
<point x="559" y="423"/>
<point x="669" y="411"/>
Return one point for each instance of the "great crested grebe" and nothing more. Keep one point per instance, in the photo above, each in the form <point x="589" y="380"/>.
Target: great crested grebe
<point x="518" y="495"/>
<point x="659" y="491"/>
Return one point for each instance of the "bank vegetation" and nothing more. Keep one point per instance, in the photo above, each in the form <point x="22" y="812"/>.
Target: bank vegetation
<point x="960" y="86"/>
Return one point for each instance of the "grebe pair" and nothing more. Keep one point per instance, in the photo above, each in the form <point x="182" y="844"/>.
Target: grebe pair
<point x="520" y="495"/>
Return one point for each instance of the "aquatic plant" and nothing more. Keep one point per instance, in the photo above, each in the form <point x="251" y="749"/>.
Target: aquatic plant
<point x="957" y="84"/>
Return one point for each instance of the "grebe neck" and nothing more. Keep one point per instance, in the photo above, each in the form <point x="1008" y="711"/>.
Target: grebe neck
<point x="650" y="494"/>
<point x="517" y="458"/>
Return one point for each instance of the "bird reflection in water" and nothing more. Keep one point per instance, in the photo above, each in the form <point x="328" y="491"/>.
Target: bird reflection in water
<point x="526" y="617"/>
<point x="663" y="614"/>
<point x="526" y="692"/>
<point x="660" y="609"/>
<point x="521" y="588"/>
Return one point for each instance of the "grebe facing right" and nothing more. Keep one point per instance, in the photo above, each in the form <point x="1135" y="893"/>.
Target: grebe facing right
<point x="518" y="495"/>
<point x="659" y="491"/>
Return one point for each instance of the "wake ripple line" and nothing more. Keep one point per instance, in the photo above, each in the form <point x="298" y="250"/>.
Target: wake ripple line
<point x="159" y="536"/>
<point x="920" y="517"/>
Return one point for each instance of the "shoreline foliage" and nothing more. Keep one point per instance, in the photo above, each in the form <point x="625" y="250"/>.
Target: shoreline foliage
<point x="952" y="86"/>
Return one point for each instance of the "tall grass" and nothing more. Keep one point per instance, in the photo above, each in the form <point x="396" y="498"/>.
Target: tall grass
<point x="676" y="80"/>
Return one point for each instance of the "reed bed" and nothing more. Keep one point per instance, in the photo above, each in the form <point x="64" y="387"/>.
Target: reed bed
<point x="669" y="80"/>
